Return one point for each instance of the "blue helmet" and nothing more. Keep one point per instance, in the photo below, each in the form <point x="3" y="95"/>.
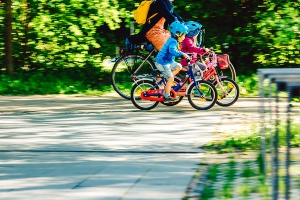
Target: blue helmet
<point x="177" y="28"/>
<point x="194" y="28"/>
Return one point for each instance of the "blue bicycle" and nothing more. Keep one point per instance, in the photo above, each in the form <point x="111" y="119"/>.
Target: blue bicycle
<point x="146" y="93"/>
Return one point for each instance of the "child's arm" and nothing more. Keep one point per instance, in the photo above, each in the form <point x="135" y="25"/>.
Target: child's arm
<point x="189" y="43"/>
<point x="173" y="49"/>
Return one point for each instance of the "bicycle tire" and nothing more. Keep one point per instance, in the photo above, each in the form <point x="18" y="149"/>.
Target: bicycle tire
<point x="232" y="90"/>
<point x="138" y="87"/>
<point x="124" y="71"/>
<point x="229" y="72"/>
<point x="195" y="99"/>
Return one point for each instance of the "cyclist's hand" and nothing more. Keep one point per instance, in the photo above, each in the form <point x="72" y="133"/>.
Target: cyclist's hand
<point x="185" y="55"/>
<point x="188" y="57"/>
<point x="206" y="50"/>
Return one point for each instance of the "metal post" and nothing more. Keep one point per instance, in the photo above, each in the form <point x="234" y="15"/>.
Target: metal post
<point x="262" y="125"/>
<point x="288" y="146"/>
<point x="117" y="51"/>
<point x="273" y="175"/>
<point x="132" y="27"/>
<point x="276" y="142"/>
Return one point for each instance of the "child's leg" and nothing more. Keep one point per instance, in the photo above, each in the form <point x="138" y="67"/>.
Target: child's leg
<point x="167" y="74"/>
<point x="175" y="67"/>
<point x="168" y="86"/>
<point x="202" y="66"/>
<point x="177" y="70"/>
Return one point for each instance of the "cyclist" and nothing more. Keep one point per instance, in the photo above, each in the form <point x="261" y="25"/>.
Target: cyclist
<point x="189" y="45"/>
<point x="164" y="15"/>
<point x="165" y="60"/>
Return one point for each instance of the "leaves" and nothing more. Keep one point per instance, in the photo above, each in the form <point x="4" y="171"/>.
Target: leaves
<point x="78" y="33"/>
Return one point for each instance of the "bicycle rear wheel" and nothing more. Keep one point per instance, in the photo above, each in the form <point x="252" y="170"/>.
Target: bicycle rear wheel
<point x="230" y="94"/>
<point x="208" y="99"/>
<point x="137" y="89"/>
<point x="128" y="68"/>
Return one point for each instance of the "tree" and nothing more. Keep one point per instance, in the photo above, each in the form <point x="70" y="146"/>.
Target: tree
<point x="8" y="49"/>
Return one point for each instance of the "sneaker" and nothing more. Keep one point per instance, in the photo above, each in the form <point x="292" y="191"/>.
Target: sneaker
<point x="170" y="99"/>
<point x="113" y="60"/>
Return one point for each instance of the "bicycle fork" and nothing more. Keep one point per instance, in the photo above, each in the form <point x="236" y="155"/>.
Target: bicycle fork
<point x="220" y="85"/>
<point x="198" y="88"/>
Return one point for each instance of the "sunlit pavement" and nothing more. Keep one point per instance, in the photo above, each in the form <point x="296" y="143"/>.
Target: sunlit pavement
<point x="64" y="147"/>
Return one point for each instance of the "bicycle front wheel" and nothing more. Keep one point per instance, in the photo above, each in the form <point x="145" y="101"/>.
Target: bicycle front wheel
<point x="139" y="87"/>
<point x="229" y="72"/>
<point x="203" y="101"/>
<point x="229" y="93"/>
<point x="128" y="68"/>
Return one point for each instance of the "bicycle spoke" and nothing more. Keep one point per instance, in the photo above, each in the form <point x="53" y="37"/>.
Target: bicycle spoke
<point x="228" y="92"/>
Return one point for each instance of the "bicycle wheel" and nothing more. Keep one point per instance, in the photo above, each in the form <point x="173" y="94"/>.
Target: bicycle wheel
<point x="137" y="89"/>
<point x="230" y="94"/>
<point x="128" y="68"/>
<point x="208" y="99"/>
<point x="179" y="98"/>
<point x="229" y="72"/>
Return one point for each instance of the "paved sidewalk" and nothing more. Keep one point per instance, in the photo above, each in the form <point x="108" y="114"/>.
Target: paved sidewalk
<point x="63" y="147"/>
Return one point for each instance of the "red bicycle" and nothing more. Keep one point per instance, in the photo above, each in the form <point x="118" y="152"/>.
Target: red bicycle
<point x="227" y="89"/>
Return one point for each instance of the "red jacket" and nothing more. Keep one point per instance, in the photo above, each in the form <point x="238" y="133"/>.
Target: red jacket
<point x="188" y="46"/>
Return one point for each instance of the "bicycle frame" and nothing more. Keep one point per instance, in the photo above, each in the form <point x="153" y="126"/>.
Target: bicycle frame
<point x="211" y="70"/>
<point x="154" y="94"/>
<point x="149" y="55"/>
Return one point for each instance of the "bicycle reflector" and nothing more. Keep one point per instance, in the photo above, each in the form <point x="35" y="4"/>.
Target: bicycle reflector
<point x="122" y="51"/>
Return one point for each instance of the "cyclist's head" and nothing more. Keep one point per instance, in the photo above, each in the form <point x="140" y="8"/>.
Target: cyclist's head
<point x="194" y="28"/>
<point x="177" y="29"/>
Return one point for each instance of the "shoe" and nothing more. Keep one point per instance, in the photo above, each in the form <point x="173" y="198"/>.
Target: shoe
<point x="113" y="60"/>
<point x="170" y="99"/>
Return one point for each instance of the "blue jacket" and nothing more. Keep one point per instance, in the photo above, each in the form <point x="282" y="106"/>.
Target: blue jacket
<point x="169" y="51"/>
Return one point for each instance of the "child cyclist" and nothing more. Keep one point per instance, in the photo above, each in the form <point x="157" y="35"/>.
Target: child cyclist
<point x="165" y="59"/>
<point x="189" y="45"/>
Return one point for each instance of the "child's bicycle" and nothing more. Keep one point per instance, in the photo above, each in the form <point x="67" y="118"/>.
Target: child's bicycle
<point x="227" y="89"/>
<point x="146" y="93"/>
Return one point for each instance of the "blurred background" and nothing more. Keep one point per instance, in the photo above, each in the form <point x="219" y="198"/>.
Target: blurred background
<point x="60" y="46"/>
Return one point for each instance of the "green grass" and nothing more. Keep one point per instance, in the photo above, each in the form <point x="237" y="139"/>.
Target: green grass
<point x="243" y="141"/>
<point x="87" y="81"/>
<point x="220" y="182"/>
<point x="90" y="81"/>
<point x="239" y="178"/>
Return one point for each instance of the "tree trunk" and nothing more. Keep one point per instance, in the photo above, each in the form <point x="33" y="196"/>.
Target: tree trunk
<point x="8" y="60"/>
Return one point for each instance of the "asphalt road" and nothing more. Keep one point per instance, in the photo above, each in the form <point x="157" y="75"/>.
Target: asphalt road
<point x="66" y="147"/>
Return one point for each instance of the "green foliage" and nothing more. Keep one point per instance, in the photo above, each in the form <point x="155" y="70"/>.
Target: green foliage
<point x="248" y="85"/>
<point x="59" y="34"/>
<point x="278" y="27"/>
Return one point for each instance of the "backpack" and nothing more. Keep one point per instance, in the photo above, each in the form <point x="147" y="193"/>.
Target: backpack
<point x="140" y="14"/>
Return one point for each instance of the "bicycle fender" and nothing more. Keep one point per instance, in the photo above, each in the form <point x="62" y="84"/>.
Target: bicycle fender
<point x="188" y="87"/>
<point x="143" y="79"/>
<point x="220" y="78"/>
<point x="199" y="79"/>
